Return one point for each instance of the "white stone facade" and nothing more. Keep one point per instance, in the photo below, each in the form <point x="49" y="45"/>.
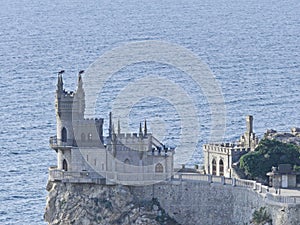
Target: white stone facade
<point x="218" y="158"/>
<point x="84" y="155"/>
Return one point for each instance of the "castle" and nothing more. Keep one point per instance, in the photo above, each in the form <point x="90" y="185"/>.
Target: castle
<point x="84" y="155"/>
<point x="219" y="158"/>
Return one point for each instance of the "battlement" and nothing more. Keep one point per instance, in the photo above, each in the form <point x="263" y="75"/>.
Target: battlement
<point x="225" y="148"/>
<point x="68" y="93"/>
<point x="80" y="144"/>
<point x="132" y="136"/>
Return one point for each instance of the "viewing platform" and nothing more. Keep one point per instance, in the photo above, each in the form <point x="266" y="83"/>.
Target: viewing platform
<point x="109" y="179"/>
<point x="56" y="144"/>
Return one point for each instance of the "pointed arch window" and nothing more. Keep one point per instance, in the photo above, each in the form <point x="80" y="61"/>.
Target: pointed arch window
<point x="64" y="135"/>
<point x="90" y="136"/>
<point x="159" y="168"/>
<point x="214" y="167"/>
<point x="65" y="165"/>
<point x="221" y="167"/>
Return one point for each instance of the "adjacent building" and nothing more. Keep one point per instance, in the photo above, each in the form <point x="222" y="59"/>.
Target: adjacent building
<point x="219" y="157"/>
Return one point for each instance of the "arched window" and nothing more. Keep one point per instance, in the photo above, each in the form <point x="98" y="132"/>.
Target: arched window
<point x="221" y="167"/>
<point x="214" y="167"/>
<point x="159" y="168"/>
<point x="90" y="136"/>
<point x="127" y="161"/>
<point x="64" y="135"/>
<point x="82" y="137"/>
<point x="65" y="165"/>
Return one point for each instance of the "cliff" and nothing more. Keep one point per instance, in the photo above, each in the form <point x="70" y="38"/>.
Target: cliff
<point x="187" y="202"/>
<point x="88" y="204"/>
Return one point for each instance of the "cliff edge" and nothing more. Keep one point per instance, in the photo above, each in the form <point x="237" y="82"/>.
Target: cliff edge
<point x="88" y="204"/>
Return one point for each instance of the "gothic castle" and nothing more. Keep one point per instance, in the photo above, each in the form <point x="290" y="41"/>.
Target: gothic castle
<point x="84" y="155"/>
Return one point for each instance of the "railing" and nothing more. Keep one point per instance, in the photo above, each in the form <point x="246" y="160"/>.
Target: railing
<point x="192" y="176"/>
<point x="283" y="199"/>
<point x="60" y="175"/>
<point x="55" y="143"/>
<point x="247" y="184"/>
<point x="136" y="178"/>
<point x="113" y="177"/>
<point x="144" y="178"/>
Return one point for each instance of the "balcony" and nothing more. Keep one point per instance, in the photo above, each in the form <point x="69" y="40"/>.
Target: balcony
<point x="56" y="143"/>
<point x="75" y="177"/>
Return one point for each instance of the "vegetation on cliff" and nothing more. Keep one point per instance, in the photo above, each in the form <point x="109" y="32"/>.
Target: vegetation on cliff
<point x="91" y="204"/>
<point x="261" y="217"/>
<point x="267" y="154"/>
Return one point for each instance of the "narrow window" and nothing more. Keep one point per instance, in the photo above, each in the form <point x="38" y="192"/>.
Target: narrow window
<point x="65" y="165"/>
<point x="64" y="135"/>
<point x="221" y="167"/>
<point x="90" y="136"/>
<point x="214" y="167"/>
<point x="159" y="168"/>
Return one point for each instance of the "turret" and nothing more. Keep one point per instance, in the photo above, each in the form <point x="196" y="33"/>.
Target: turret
<point x="119" y="127"/>
<point x="79" y="99"/>
<point x="249" y="124"/>
<point x="110" y="125"/>
<point x="249" y="140"/>
<point x="145" y="128"/>
<point x="141" y="131"/>
<point x="60" y="84"/>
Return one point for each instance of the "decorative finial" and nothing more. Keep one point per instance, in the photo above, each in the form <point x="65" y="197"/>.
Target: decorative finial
<point x="119" y="127"/>
<point x="145" y="127"/>
<point x="110" y="124"/>
<point x="141" y="132"/>
<point x="80" y="79"/>
<point x="60" y="80"/>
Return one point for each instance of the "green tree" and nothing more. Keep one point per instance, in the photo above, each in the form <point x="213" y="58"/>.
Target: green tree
<point x="261" y="216"/>
<point x="269" y="153"/>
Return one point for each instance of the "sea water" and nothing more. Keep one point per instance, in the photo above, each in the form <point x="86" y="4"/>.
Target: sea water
<point x="252" y="48"/>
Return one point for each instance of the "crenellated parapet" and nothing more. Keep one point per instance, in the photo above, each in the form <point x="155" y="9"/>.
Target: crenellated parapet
<point x="82" y="149"/>
<point x="219" y="157"/>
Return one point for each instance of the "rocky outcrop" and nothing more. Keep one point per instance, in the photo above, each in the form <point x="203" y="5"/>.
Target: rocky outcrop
<point x="88" y="204"/>
<point x="174" y="202"/>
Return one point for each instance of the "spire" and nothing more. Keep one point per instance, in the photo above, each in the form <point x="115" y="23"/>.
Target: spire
<point x="119" y="127"/>
<point x="141" y="132"/>
<point x="79" y="85"/>
<point x="110" y="125"/>
<point x="145" y="127"/>
<point x="60" y="84"/>
<point x="113" y="134"/>
<point x="113" y="129"/>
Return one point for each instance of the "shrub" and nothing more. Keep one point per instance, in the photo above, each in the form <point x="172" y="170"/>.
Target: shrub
<point x="269" y="153"/>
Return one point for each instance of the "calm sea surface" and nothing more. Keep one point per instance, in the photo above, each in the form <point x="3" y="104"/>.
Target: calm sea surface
<point x="252" y="47"/>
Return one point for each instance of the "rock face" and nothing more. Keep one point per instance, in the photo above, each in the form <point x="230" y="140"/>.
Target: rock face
<point x="171" y="203"/>
<point x="88" y="204"/>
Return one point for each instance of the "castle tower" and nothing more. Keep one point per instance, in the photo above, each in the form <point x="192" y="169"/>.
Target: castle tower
<point x="79" y="100"/>
<point x="63" y="107"/>
<point x="249" y="124"/>
<point x="249" y="140"/>
<point x="69" y="107"/>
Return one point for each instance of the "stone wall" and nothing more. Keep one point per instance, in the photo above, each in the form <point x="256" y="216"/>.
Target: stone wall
<point x="186" y="202"/>
<point x="193" y="202"/>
